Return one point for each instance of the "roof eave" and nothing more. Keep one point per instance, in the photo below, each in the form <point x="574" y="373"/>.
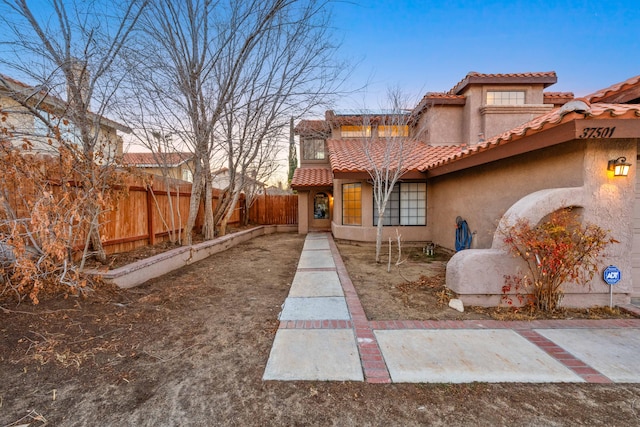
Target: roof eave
<point x="558" y="134"/>
<point x="546" y="80"/>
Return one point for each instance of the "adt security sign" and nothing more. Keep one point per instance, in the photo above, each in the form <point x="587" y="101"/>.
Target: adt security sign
<point x="611" y="275"/>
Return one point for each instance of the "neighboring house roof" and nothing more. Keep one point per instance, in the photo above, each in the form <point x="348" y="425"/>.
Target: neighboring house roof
<point x="224" y="172"/>
<point x="577" y="109"/>
<point x="546" y="78"/>
<point x="155" y="160"/>
<point x="623" y="92"/>
<point x="312" y="177"/>
<point x="348" y="155"/>
<point x="10" y="84"/>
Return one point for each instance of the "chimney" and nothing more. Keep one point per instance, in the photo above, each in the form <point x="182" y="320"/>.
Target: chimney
<point x="80" y="75"/>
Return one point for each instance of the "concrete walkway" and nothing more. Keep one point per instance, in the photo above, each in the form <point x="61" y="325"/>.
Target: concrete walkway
<point x="324" y="335"/>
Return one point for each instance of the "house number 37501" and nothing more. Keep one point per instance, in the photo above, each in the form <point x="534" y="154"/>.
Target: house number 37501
<point x="598" y="132"/>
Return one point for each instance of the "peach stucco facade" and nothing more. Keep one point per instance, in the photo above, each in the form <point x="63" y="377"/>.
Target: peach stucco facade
<point x="527" y="160"/>
<point x="577" y="177"/>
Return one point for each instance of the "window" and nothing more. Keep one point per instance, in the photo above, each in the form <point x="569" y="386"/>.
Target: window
<point x="321" y="206"/>
<point x="505" y="97"/>
<point x="407" y="205"/>
<point x="313" y="149"/>
<point x="355" y="131"/>
<point x="392" y="131"/>
<point x="187" y="175"/>
<point x="352" y="204"/>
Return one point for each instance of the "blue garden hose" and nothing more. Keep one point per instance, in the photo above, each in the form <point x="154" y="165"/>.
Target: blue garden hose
<point x="463" y="235"/>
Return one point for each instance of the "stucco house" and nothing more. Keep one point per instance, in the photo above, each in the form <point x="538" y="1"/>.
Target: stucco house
<point x="23" y="124"/>
<point x="222" y="179"/>
<point x="176" y="165"/>
<point x="494" y="148"/>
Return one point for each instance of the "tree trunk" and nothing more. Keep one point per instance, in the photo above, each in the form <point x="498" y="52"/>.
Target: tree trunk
<point x="379" y="238"/>
<point x="208" y="229"/>
<point x="194" y="205"/>
<point x="227" y="216"/>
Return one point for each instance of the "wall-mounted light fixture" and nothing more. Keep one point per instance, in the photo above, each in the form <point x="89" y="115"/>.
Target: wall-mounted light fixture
<point x="619" y="166"/>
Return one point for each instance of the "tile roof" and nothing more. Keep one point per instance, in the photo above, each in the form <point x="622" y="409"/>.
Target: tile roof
<point x="348" y="155"/>
<point x="10" y="84"/>
<point x="614" y="90"/>
<point x="312" y="177"/>
<point x="547" y="78"/>
<point x="366" y="117"/>
<point x="312" y="127"/>
<point x="544" y="122"/>
<point x="557" y="98"/>
<point x="151" y="160"/>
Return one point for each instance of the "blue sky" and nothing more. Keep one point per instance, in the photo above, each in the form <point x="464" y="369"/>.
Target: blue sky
<point x="428" y="46"/>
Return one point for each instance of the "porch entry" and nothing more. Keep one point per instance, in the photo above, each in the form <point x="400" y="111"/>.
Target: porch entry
<point x="321" y="214"/>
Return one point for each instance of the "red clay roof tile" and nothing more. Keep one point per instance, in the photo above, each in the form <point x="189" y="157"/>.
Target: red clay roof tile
<point x="348" y="155"/>
<point x="609" y="94"/>
<point x="547" y="78"/>
<point x="557" y="98"/>
<point x="312" y="127"/>
<point x="543" y="122"/>
<point x="312" y="177"/>
<point x="10" y="84"/>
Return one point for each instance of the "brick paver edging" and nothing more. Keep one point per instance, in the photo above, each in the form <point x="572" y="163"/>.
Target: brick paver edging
<point x="373" y="364"/>
<point x="502" y="324"/>
<point x="585" y="371"/>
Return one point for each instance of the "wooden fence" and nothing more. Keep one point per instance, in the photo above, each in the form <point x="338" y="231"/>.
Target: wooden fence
<point x="274" y="210"/>
<point x="148" y="214"/>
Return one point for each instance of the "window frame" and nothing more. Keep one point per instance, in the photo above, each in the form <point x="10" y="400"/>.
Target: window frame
<point x="352" y="203"/>
<point x="396" y="131"/>
<point x="411" y="208"/>
<point x="355" y="131"/>
<point x="508" y="98"/>
<point x="311" y="149"/>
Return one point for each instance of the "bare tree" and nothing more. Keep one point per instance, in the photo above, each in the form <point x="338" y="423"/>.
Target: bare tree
<point x="290" y="71"/>
<point x="189" y="66"/>
<point x="69" y="49"/>
<point x="221" y="74"/>
<point x="387" y="152"/>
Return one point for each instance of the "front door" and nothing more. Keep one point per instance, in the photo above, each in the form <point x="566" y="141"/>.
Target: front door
<point x="321" y="215"/>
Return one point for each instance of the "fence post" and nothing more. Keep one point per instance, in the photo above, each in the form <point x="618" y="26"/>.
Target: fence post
<point x="150" y="227"/>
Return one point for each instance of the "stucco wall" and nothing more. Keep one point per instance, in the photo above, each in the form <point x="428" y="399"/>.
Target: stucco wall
<point x="303" y="212"/>
<point x="367" y="231"/>
<point x="476" y="99"/>
<point x="497" y="119"/>
<point x="22" y="124"/>
<point x="607" y="201"/>
<point x="483" y="194"/>
<point x="444" y="125"/>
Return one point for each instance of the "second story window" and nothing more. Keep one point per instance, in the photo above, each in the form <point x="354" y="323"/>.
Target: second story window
<point x="349" y="131"/>
<point x="393" y="131"/>
<point x="313" y="149"/>
<point x="505" y="97"/>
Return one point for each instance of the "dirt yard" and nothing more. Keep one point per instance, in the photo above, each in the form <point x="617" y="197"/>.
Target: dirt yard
<point x="190" y="348"/>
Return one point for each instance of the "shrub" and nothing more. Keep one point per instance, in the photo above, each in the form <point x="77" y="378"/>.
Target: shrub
<point x="558" y="250"/>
